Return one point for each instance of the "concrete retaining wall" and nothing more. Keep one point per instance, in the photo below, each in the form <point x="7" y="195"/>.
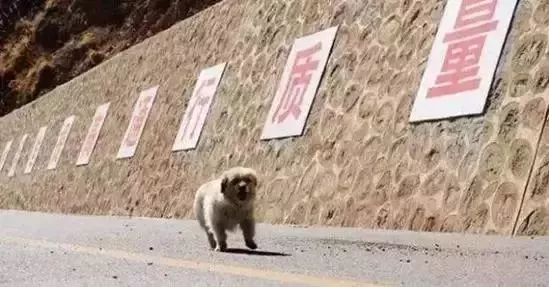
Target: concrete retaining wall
<point x="360" y="163"/>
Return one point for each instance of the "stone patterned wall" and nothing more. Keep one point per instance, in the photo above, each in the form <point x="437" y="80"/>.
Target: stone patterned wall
<point x="527" y="76"/>
<point x="360" y="163"/>
<point x="532" y="74"/>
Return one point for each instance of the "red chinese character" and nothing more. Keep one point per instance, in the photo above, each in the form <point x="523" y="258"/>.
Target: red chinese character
<point x="97" y="118"/>
<point x="298" y="82"/>
<point x="474" y="12"/>
<point x="200" y="102"/>
<point x="465" y="46"/>
<point x="134" y="130"/>
<point x="89" y="141"/>
<point x="138" y="121"/>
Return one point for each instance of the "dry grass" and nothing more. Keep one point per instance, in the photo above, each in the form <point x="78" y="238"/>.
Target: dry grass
<point x="87" y="39"/>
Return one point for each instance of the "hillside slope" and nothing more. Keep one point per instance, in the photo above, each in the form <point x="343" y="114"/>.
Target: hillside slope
<point x="44" y="43"/>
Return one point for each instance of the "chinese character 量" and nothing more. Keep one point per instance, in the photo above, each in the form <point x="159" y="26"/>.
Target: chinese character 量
<point x="465" y="46"/>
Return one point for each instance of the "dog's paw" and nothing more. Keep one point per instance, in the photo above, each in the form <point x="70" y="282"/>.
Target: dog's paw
<point x="251" y="244"/>
<point x="211" y="241"/>
<point x="222" y="247"/>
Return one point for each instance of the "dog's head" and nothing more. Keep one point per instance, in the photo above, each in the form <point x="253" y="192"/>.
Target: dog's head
<point x="239" y="184"/>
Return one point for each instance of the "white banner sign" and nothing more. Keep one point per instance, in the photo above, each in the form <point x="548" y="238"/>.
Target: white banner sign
<point x="299" y="85"/>
<point x="463" y="59"/>
<point x="61" y="140"/>
<point x="17" y="156"/>
<point x="35" y="149"/>
<point x="93" y="134"/>
<point x="198" y="108"/>
<point x="137" y="123"/>
<point x="5" y="153"/>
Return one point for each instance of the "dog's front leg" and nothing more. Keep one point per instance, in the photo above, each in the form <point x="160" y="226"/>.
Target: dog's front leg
<point x="220" y="236"/>
<point x="211" y="239"/>
<point x="248" y="231"/>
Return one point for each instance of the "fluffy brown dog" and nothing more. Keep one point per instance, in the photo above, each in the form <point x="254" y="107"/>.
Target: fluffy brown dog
<point x="222" y="204"/>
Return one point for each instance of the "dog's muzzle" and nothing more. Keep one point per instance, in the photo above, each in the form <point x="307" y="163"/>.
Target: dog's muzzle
<point x="242" y="192"/>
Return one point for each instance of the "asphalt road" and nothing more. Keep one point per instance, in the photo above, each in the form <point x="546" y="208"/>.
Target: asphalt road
<point x="57" y="250"/>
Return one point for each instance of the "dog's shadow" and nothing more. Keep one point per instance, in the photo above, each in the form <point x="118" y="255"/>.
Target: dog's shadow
<point x="254" y="252"/>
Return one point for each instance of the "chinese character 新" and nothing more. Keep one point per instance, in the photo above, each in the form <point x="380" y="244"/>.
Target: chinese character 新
<point x="298" y="82"/>
<point x="201" y="101"/>
<point x="465" y="46"/>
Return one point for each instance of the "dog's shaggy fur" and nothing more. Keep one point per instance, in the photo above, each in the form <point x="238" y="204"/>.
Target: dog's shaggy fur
<point x="222" y="204"/>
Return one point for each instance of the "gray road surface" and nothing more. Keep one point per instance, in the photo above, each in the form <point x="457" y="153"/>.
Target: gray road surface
<point x="57" y="250"/>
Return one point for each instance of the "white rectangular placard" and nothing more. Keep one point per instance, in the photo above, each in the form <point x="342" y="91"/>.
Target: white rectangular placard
<point x="35" y="149"/>
<point x="17" y="156"/>
<point x="5" y="153"/>
<point x="137" y="123"/>
<point x="198" y="108"/>
<point x="299" y="84"/>
<point x="464" y="57"/>
<point x="93" y="134"/>
<point x="60" y="144"/>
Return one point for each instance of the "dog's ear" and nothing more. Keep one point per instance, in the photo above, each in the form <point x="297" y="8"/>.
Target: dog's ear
<point x="254" y="179"/>
<point x="224" y="183"/>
